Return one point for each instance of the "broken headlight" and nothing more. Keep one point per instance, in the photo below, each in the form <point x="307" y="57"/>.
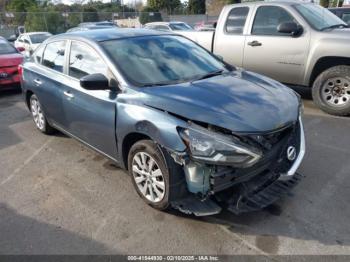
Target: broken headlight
<point x="215" y="148"/>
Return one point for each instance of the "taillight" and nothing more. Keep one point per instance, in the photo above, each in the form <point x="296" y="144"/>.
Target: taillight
<point x="20" y="70"/>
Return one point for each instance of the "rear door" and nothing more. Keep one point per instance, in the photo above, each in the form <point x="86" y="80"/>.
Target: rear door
<point x="275" y="54"/>
<point x="231" y="34"/>
<point x="89" y="114"/>
<point x="45" y="79"/>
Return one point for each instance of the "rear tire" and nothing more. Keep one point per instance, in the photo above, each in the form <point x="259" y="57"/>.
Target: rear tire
<point x="39" y="116"/>
<point x="152" y="169"/>
<point x="331" y="91"/>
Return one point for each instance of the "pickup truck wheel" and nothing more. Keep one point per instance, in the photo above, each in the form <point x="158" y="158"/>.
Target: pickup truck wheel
<point x="331" y="90"/>
<point x="154" y="181"/>
<point x="39" y="116"/>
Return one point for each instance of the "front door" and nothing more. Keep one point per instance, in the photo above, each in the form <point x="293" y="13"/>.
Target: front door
<point x="90" y="115"/>
<point x="275" y="54"/>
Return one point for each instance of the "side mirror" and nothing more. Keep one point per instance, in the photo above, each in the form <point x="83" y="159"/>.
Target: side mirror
<point x="215" y="24"/>
<point x="291" y="28"/>
<point x="21" y="49"/>
<point x="94" y="82"/>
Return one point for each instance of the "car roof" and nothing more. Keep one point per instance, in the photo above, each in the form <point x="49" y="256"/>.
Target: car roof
<point x="340" y="8"/>
<point x="108" y="34"/>
<point x="165" y="23"/>
<point x="259" y="3"/>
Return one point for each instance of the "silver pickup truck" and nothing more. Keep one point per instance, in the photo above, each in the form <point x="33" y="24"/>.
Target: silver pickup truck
<point x="295" y="43"/>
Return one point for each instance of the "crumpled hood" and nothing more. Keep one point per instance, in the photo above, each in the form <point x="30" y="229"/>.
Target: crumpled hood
<point x="242" y="101"/>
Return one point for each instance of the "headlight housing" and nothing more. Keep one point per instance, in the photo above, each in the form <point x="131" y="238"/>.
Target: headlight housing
<point x="215" y="148"/>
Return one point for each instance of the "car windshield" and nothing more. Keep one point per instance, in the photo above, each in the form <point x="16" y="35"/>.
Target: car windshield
<point x="318" y="17"/>
<point x="6" y="48"/>
<point x="161" y="60"/>
<point x="39" y="38"/>
<point x="180" y="26"/>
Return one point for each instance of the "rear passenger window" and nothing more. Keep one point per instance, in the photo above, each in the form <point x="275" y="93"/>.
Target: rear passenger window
<point x="236" y="20"/>
<point x="54" y="55"/>
<point x="39" y="53"/>
<point x="346" y="18"/>
<point x="83" y="61"/>
<point x="268" y="18"/>
<point x="161" y="28"/>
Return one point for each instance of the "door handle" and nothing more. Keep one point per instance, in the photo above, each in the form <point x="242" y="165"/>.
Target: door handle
<point x="255" y="43"/>
<point x="37" y="82"/>
<point x="68" y="94"/>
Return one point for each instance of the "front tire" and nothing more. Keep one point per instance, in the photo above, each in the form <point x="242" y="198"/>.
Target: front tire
<point x="331" y="91"/>
<point x="156" y="178"/>
<point x="39" y="116"/>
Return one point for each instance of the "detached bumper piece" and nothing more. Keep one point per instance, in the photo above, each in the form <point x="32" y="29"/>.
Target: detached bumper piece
<point x="191" y="205"/>
<point x="261" y="197"/>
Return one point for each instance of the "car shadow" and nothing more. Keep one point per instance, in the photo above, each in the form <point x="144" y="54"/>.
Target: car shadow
<point x="11" y="114"/>
<point x="24" y="235"/>
<point x="303" y="91"/>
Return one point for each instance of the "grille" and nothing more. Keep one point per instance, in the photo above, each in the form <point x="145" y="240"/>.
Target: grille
<point x="274" y="160"/>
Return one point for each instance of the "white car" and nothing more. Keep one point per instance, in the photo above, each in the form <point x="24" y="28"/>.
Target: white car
<point x="30" y="41"/>
<point x="168" y="26"/>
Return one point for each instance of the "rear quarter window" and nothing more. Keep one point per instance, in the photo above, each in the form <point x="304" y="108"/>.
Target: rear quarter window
<point x="39" y="54"/>
<point x="236" y="20"/>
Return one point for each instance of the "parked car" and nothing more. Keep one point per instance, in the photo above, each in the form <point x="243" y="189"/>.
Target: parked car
<point x="295" y="43"/>
<point x="169" y="26"/>
<point x="101" y="23"/>
<point x="342" y="12"/>
<point x="205" y="26"/>
<point x="30" y="41"/>
<point x="193" y="132"/>
<point x="87" y="28"/>
<point x="10" y="58"/>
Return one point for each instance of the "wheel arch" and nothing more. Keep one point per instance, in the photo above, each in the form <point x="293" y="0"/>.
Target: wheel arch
<point x="128" y="141"/>
<point x="28" y="94"/>
<point x="325" y="63"/>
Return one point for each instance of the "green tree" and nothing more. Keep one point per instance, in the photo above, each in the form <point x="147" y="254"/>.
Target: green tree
<point x="149" y="14"/>
<point x="168" y="5"/>
<point x="196" y="6"/>
<point x="20" y="5"/>
<point x="35" y="21"/>
<point x="324" y="3"/>
<point x="90" y="14"/>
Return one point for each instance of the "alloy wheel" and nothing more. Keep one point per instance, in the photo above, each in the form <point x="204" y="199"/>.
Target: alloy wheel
<point x="148" y="177"/>
<point x="37" y="113"/>
<point x="336" y="91"/>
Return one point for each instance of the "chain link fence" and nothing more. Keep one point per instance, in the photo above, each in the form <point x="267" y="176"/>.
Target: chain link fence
<point x="12" y="23"/>
<point x="60" y="22"/>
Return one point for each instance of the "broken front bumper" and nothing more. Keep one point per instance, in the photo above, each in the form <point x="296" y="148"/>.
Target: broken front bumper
<point x="246" y="189"/>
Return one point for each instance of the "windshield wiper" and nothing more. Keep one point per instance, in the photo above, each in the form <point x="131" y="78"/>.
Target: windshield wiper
<point x="210" y="74"/>
<point x="161" y="83"/>
<point x="335" y="26"/>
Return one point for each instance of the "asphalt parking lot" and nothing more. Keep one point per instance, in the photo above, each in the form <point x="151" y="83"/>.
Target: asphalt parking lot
<point x="59" y="197"/>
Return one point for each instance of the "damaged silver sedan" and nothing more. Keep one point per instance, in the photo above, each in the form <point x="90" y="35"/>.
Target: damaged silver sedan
<point x="195" y="133"/>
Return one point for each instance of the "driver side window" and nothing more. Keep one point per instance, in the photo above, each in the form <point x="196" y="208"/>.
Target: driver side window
<point x="267" y="19"/>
